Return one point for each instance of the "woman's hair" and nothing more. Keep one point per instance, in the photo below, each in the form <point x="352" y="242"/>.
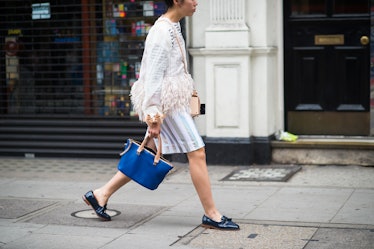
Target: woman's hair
<point x="170" y="3"/>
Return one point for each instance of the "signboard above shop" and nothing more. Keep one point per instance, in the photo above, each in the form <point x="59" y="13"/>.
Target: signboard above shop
<point x="41" y="11"/>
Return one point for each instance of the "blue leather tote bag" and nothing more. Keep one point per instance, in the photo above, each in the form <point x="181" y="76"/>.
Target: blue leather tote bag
<point x="143" y="165"/>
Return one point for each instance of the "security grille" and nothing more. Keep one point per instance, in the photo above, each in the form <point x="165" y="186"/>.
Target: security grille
<point x="72" y="57"/>
<point x="45" y="56"/>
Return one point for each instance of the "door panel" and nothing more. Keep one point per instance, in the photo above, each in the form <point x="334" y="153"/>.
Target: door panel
<point x="329" y="123"/>
<point x="327" y="67"/>
<point x="352" y="79"/>
<point x="308" y="69"/>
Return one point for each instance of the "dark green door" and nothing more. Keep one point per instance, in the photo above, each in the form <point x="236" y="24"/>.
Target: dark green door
<point x="327" y="66"/>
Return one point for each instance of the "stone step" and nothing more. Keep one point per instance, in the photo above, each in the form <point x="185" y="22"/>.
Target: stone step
<point x="325" y="150"/>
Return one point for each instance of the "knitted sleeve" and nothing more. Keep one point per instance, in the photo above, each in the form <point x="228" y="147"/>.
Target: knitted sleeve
<point x="158" y="48"/>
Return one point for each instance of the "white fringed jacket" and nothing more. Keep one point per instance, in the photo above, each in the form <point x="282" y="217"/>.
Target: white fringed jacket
<point x="164" y="85"/>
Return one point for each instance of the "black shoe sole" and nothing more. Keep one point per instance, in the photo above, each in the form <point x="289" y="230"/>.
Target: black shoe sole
<point x="219" y="228"/>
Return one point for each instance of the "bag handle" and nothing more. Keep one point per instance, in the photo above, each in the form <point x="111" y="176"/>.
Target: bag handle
<point x="158" y="152"/>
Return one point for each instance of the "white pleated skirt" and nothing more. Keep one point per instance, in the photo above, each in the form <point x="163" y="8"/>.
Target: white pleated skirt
<point x="179" y="134"/>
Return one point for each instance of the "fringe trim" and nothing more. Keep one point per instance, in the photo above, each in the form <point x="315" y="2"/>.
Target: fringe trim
<point x="137" y="96"/>
<point x="176" y="93"/>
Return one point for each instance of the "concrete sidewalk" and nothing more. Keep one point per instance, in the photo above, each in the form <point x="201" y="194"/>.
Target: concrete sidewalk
<point x="319" y="207"/>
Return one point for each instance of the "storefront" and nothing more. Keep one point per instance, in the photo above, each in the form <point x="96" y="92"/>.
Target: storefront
<point x="260" y="66"/>
<point x="296" y="65"/>
<point x="66" y="71"/>
<point x="75" y="57"/>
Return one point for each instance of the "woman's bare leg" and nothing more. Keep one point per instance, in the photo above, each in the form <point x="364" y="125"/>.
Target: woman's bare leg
<point x="201" y="181"/>
<point x="103" y="194"/>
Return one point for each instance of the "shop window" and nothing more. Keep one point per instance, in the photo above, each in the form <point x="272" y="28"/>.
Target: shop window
<point x="72" y="57"/>
<point x="126" y="24"/>
<point x="44" y="62"/>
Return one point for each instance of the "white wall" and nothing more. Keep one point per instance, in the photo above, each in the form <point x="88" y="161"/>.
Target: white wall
<point x="241" y="87"/>
<point x="198" y="24"/>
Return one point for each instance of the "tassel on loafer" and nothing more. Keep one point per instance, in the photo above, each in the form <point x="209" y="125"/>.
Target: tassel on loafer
<point x="90" y="200"/>
<point x="224" y="224"/>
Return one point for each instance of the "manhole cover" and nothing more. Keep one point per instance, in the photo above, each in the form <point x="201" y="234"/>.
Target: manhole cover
<point x="264" y="173"/>
<point x="90" y="214"/>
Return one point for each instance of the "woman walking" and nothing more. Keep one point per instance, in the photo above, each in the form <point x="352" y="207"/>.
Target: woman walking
<point x="161" y="98"/>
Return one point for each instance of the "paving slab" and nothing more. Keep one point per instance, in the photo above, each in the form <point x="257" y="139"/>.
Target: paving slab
<point x="127" y="216"/>
<point x="57" y="241"/>
<point x="26" y="235"/>
<point x="359" y="209"/>
<point x="10" y="231"/>
<point x="158" y="233"/>
<point x="351" y="176"/>
<point x="15" y="208"/>
<point x="140" y="241"/>
<point x="302" y="205"/>
<point x="250" y="236"/>
<point x="239" y="201"/>
<point x="327" y="238"/>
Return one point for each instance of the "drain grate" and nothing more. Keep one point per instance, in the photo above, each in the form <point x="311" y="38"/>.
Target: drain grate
<point x="263" y="173"/>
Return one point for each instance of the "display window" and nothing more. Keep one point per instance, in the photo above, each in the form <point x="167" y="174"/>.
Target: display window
<point x="72" y="57"/>
<point x="125" y="26"/>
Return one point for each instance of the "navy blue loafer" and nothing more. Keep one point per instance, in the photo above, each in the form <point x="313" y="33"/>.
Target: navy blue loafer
<point x="90" y="200"/>
<point x="225" y="224"/>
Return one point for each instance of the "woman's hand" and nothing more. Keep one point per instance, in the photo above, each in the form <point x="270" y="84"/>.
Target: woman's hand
<point x="154" y="125"/>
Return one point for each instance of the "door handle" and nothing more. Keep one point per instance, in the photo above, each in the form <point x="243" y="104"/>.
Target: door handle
<point x="364" y="40"/>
